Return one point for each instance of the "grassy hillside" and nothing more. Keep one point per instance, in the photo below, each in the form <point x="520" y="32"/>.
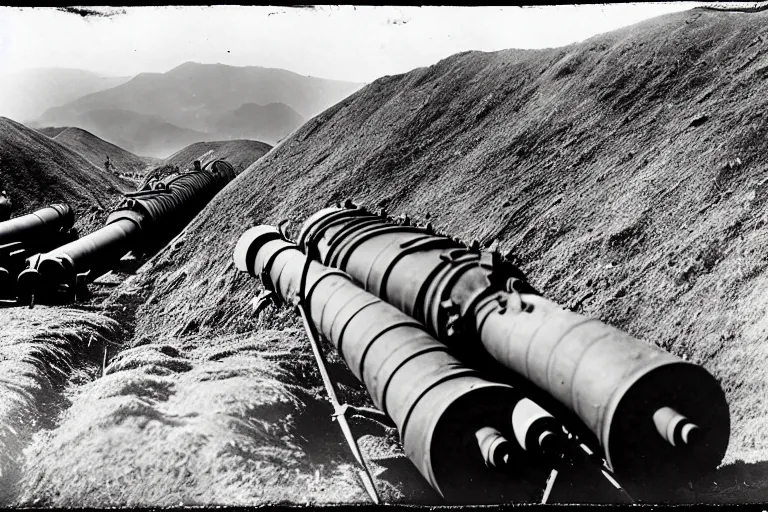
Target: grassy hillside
<point x="627" y="174"/>
<point x="95" y="150"/>
<point x="37" y="171"/>
<point x="41" y="350"/>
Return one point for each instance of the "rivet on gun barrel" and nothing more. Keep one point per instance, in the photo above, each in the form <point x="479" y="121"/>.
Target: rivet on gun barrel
<point x="27" y="235"/>
<point x="658" y="418"/>
<point x="144" y="220"/>
<point x="470" y="437"/>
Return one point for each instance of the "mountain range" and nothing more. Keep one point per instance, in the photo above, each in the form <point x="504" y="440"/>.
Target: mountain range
<point x="25" y="95"/>
<point x="156" y="114"/>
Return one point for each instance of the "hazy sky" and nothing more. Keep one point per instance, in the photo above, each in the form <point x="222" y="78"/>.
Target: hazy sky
<point x="342" y="42"/>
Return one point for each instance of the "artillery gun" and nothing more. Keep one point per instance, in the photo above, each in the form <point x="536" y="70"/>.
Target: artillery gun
<point x="658" y="420"/>
<point x="24" y="236"/>
<point x="474" y="440"/>
<point x="142" y="222"/>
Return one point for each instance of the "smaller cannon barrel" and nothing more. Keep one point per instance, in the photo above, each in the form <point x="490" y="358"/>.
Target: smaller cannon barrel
<point x="657" y="417"/>
<point x="93" y="254"/>
<point x="30" y="234"/>
<point x="36" y="226"/>
<point x="458" y="428"/>
<point x="142" y="222"/>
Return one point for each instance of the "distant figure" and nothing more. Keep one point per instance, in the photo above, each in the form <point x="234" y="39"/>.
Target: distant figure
<point x="5" y="206"/>
<point x="197" y="165"/>
<point x="108" y="164"/>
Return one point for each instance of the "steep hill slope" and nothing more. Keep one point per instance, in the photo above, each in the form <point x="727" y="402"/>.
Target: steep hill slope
<point x="25" y="95"/>
<point x="95" y="150"/>
<point x="51" y="131"/>
<point x="627" y="174"/>
<point x="36" y="171"/>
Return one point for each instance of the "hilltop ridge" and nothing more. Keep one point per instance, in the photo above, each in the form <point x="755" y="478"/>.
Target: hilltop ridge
<point x="37" y="170"/>
<point x="95" y="150"/>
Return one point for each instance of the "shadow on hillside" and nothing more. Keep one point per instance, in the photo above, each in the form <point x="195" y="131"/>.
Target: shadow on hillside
<point x="739" y="482"/>
<point x="736" y="483"/>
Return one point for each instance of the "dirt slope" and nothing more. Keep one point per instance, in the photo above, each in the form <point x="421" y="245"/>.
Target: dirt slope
<point x="626" y="173"/>
<point x="36" y="171"/>
<point x="95" y="150"/>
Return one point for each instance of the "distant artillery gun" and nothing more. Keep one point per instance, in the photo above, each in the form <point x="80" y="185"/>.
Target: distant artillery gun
<point x="142" y="222"/>
<point x="205" y="157"/>
<point x="23" y="237"/>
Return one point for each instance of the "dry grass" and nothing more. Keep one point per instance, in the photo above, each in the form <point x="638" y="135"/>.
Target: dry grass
<point x="41" y="350"/>
<point x="206" y="421"/>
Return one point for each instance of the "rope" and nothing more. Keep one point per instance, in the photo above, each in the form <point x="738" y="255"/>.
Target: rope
<point x="550" y="484"/>
<point x="608" y="474"/>
<point x="591" y="458"/>
<point x="339" y="410"/>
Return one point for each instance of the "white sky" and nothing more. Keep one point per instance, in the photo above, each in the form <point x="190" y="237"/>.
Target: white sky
<point x="341" y="42"/>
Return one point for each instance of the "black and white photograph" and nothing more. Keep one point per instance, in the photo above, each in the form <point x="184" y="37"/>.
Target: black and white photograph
<point x="413" y="256"/>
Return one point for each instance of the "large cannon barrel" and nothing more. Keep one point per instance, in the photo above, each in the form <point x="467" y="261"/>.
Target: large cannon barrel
<point x="30" y="234"/>
<point x="457" y="427"/>
<point x="142" y="221"/>
<point x="36" y="226"/>
<point x="655" y="416"/>
<point x="173" y="201"/>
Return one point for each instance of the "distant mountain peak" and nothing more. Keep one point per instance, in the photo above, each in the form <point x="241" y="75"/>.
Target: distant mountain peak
<point x="200" y="102"/>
